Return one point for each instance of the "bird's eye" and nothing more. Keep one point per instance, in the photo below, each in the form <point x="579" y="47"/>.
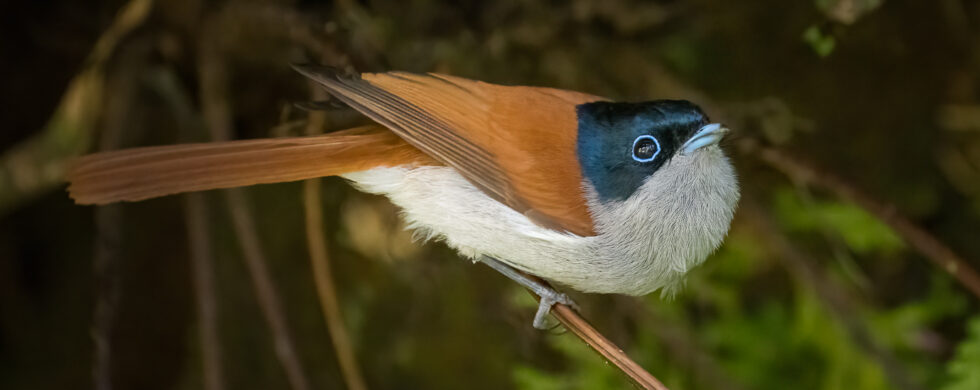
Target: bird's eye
<point x="645" y="148"/>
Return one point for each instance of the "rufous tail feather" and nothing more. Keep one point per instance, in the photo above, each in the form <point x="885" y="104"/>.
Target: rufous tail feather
<point x="148" y="172"/>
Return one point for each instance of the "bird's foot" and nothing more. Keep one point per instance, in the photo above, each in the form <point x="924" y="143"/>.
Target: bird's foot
<point x="549" y="296"/>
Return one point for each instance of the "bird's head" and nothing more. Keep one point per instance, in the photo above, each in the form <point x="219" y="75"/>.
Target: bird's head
<point x="621" y="145"/>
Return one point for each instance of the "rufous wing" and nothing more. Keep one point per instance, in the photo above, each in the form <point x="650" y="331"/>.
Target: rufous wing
<point x="148" y="172"/>
<point x="517" y="144"/>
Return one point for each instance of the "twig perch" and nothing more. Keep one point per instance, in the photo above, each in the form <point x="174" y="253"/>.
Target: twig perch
<point x="602" y="345"/>
<point x="922" y="241"/>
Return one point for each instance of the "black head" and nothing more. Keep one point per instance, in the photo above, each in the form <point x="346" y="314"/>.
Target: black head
<point x="621" y="144"/>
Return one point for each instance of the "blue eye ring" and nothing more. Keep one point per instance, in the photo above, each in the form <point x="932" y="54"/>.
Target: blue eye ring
<point x="640" y="139"/>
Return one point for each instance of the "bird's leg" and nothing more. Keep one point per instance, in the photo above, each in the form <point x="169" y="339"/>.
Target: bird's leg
<point x="548" y="295"/>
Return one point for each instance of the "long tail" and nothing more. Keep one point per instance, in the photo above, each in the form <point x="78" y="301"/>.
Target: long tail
<point x="148" y="172"/>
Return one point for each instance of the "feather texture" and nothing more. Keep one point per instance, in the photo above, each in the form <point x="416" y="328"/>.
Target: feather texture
<point x="517" y="144"/>
<point x="142" y="173"/>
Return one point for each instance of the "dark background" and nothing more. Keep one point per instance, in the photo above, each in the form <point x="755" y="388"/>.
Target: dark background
<point x="810" y="291"/>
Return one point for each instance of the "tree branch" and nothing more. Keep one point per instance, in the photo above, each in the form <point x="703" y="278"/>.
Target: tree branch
<point x="919" y="239"/>
<point x="196" y="216"/>
<point x="115" y="113"/>
<point x="599" y="343"/>
<point x="202" y="270"/>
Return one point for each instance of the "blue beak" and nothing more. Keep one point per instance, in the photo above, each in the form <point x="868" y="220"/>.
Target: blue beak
<point x="706" y="136"/>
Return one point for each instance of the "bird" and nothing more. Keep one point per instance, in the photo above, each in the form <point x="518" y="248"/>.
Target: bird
<point x="595" y="195"/>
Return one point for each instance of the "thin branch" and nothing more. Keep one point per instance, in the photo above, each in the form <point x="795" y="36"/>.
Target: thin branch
<point x="599" y="343"/>
<point x="196" y="211"/>
<point x="217" y="115"/>
<point x="196" y="215"/>
<point x="265" y="290"/>
<point x="115" y="119"/>
<point x="105" y="267"/>
<point x="919" y="239"/>
<point x="581" y="328"/>
<point x="164" y="82"/>
<point x="320" y="263"/>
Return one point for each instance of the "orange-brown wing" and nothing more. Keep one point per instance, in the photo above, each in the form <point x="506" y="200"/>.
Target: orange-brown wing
<point x="142" y="173"/>
<point x="517" y="144"/>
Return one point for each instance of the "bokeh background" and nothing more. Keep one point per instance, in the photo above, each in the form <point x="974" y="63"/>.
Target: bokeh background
<point x="816" y="288"/>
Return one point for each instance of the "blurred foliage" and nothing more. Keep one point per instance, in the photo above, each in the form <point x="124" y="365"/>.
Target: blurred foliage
<point x="883" y="93"/>
<point x="861" y="232"/>
<point x="963" y="368"/>
<point x="821" y="43"/>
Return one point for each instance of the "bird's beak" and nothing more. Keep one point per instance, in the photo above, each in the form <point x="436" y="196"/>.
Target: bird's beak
<point x="706" y="136"/>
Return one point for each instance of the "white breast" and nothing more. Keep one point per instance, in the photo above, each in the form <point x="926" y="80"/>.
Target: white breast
<point x="648" y="241"/>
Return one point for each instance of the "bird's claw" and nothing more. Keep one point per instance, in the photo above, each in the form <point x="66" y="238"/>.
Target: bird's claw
<point x="549" y="298"/>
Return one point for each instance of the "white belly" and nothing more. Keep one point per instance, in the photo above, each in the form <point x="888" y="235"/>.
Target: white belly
<point x="643" y="243"/>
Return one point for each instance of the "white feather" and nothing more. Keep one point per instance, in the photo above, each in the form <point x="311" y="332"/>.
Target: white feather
<point x="668" y="226"/>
